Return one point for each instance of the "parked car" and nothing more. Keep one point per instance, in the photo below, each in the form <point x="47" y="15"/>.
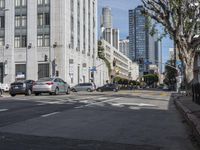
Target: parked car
<point x="21" y="87"/>
<point x="166" y="88"/>
<point x="84" y="87"/>
<point x="108" y="87"/>
<point x="51" y="85"/>
<point x="5" y="87"/>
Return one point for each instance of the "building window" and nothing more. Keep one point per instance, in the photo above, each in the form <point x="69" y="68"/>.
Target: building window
<point x="17" y="3"/>
<point x="39" y="40"/>
<point x="2" y="21"/>
<point x="20" y="41"/>
<point x="43" y="70"/>
<point x="20" y="71"/>
<point x="40" y="2"/>
<point x="47" y="19"/>
<point x="23" y="21"/>
<point x="46" y="2"/>
<point x="2" y="3"/>
<point x="43" y="40"/>
<point x="20" y="21"/>
<point x="17" y="41"/>
<point x="24" y="41"/>
<point x="43" y="19"/>
<point x="40" y="19"/>
<point x="17" y="21"/>
<point x="46" y="40"/>
<point x="23" y="2"/>
<point x="1" y="41"/>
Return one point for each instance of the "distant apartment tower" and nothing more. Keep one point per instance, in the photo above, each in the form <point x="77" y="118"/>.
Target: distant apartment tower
<point x="124" y="47"/>
<point x="43" y="38"/>
<point x="108" y="33"/>
<point x="106" y="19"/>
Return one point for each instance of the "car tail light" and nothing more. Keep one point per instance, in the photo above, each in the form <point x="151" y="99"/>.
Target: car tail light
<point x="49" y="83"/>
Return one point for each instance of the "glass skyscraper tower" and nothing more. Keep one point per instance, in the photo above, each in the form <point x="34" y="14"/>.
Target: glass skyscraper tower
<point x="138" y="37"/>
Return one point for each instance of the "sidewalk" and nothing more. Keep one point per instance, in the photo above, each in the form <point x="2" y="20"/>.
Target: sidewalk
<point x="190" y="111"/>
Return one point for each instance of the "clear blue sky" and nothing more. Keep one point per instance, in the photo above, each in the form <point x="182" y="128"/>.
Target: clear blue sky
<point x="120" y="19"/>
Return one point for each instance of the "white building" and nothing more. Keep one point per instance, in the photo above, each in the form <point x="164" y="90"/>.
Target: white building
<point x="124" y="47"/>
<point x="124" y="68"/>
<point x="41" y="38"/>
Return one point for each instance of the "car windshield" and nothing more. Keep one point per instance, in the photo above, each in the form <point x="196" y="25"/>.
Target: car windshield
<point x="45" y="79"/>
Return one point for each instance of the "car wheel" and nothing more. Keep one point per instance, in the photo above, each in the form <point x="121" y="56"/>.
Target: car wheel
<point x="73" y="90"/>
<point x="13" y="95"/>
<point x="28" y="93"/>
<point x="36" y="94"/>
<point x="68" y="91"/>
<point x="56" y="91"/>
<point x="50" y="93"/>
<point x="100" y="90"/>
<point x="89" y="90"/>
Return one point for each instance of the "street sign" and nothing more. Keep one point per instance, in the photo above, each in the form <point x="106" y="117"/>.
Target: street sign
<point x="93" y="69"/>
<point x="147" y="62"/>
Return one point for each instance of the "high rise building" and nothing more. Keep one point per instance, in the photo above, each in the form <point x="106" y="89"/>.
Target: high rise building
<point x="106" y="19"/>
<point x="42" y="38"/>
<point x="108" y="33"/>
<point x="115" y="38"/>
<point x="142" y="46"/>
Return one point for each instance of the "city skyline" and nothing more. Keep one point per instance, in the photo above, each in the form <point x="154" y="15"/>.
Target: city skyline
<point x="120" y="10"/>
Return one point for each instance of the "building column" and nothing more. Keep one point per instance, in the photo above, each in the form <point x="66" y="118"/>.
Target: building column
<point x="31" y="51"/>
<point x="9" y="59"/>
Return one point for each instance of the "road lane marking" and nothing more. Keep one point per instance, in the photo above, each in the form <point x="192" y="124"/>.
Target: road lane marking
<point x="102" y="98"/>
<point x="97" y="103"/>
<point x="135" y="104"/>
<point x="2" y="110"/>
<point x="51" y="114"/>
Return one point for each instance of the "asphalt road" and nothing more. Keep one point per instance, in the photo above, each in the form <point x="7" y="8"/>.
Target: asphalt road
<point x="127" y="120"/>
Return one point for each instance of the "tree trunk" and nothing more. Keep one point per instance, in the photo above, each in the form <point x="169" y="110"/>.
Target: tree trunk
<point x="189" y="74"/>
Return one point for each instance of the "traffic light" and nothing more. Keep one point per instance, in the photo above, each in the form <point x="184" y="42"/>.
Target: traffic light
<point x="57" y="73"/>
<point x="45" y="58"/>
<point x="114" y="63"/>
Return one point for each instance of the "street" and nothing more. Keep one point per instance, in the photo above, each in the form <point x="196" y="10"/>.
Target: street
<point x="126" y="120"/>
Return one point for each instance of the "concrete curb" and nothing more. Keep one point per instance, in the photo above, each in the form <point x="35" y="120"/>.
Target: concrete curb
<point x="192" y="119"/>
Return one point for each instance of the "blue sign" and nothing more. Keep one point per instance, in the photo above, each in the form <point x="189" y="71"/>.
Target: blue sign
<point x="178" y="63"/>
<point x="147" y="62"/>
<point x="93" y="69"/>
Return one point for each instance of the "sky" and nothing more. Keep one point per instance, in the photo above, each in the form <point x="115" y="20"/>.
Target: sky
<point x="120" y="19"/>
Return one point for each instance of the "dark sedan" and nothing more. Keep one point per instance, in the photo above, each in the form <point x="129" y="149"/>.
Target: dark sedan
<point x="21" y="87"/>
<point x="108" y="87"/>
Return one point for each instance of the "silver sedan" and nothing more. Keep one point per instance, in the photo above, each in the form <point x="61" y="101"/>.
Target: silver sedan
<point x="51" y="86"/>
